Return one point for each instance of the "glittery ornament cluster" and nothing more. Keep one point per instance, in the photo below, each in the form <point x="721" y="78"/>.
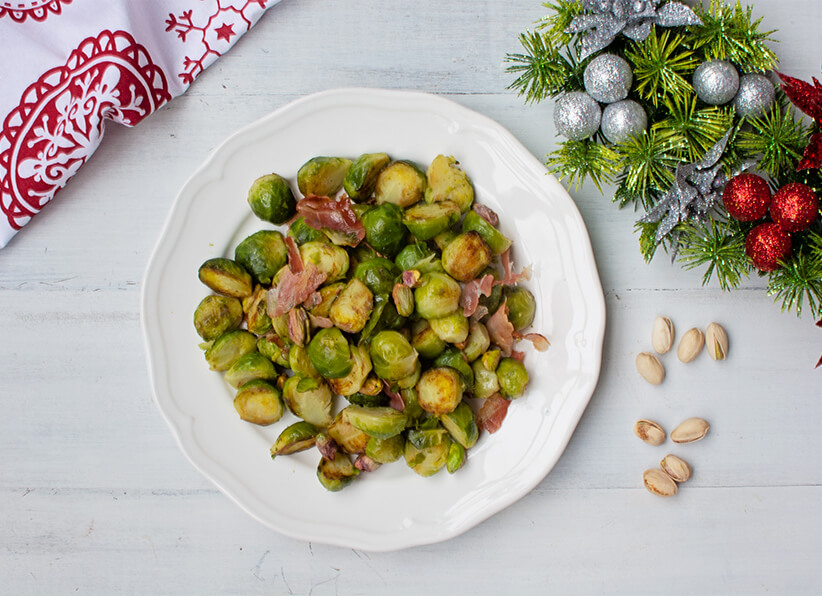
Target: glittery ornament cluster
<point x="716" y="82"/>
<point x="608" y="78"/>
<point x="577" y="115"/>
<point x="794" y="207"/>
<point x="747" y="197"/>
<point x="622" y="120"/>
<point x="756" y="94"/>
<point x="767" y="245"/>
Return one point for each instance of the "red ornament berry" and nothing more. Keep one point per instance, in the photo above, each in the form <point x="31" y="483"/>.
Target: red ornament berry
<point x="766" y="245"/>
<point x="747" y="197"/>
<point x="794" y="207"/>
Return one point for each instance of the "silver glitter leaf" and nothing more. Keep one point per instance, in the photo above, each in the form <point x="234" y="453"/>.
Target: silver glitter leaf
<point x="675" y="14"/>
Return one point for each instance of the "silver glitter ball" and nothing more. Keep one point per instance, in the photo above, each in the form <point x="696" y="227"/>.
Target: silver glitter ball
<point x="716" y="82"/>
<point x="608" y="78"/>
<point x="622" y="120"/>
<point x="756" y="94"/>
<point x="577" y="115"/>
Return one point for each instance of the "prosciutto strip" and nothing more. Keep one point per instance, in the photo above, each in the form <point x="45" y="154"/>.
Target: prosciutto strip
<point x="293" y="288"/>
<point x="500" y="329"/>
<point x="472" y="291"/>
<point x="541" y="343"/>
<point x="320" y="322"/>
<point x="486" y="213"/>
<point x="492" y="413"/>
<point x="509" y="277"/>
<point x="295" y="260"/>
<point x="332" y="214"/>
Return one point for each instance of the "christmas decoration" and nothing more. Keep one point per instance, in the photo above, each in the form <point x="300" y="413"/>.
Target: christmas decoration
<point x="622" y="120"/>
<point x="716" y="82"/>
<point x="608" y="78"/>
<point x="767" y="245"/>
<point x="747" y="197"/>
<point x="577" y="116"/>
<point x="756" y="94"/>
<point x="794" y="207"/>
<point x="807" y="98"/>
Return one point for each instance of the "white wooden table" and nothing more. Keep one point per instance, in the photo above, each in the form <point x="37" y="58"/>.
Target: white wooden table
<point x="96" y="498"/>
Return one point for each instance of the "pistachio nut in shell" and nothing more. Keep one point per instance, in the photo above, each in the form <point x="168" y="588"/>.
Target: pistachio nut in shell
<point x="675" y="467"/>
<point x="662" y="335"/>
<point x="690" y="430"/>
<point x="650" y="432"/>
<point x="690" y="345"/>
<point x="659" y="483"/>
<point x="716" y="341"/>
<point x="650" y="368"/>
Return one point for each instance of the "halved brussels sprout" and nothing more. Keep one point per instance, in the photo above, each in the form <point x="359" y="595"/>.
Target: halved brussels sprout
<point x="328" y="294"/>
<point x="351" y="439"/>
<point x="271" y="350"/>
<point x="271" y="199"/>
<point x="466" y="256"/>
<point x="401" y="183"/>
<point x="490" y="360"/>
<point x="259" y="402"/>
<point x="426" y="462"/>
<point x="461" y="424"/>
<point x="378" y="274"/>
<point x="300" y="362"/>
<point x="296" y="437"/>
<point x="217" y="314"/>
<point x="309" y="399"/>
<point x="451" y="328"/>
<point x="412" y="407"/>
<point x="329" y="259"/>
<point x="444" y="239"/>
<point x="384" y="316"/>
<point x="478" y="341"/>
<point x="422" y="438"/>
<point x="336" y="474"/>
<point x="353" y="306"/>
<point x="249" y="367"/>
<point x="425" y="341"/>
<point x="353" y="381"/>
<point x="495" y="239"/>
<point x="385" y="451"/>
<point x="427" y="221"/>
<point x="322" y="176"/>
<point x="379" y="422"/>
<point x="486" y="383"/>
<point x="447" y="182"/>
<point x="370" y="401"/>
<point x="262" y="254"/>
<point x="521" y="306"/>
<point x="512" y="378"/>
<point x="256" y="317"/>
<point x="420" y="257"/>
<point x="392" y="356"/>
<point x="330" y="353"/>
<point x="440" y="390"/>
<point x="410" y="380"/>
<point x="227" y="277"/>
<point x="228" y="348"/>
<point x="456" y="457"/>
<point x="384" y="229"/>
<point x="361" y="178"/>
<point x="438" y="295"/>
<point x="301" y="232"/>
<point x="453" y="357"/>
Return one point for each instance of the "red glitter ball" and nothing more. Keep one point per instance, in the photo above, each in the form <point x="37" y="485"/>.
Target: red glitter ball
<point x="746" y="197"/>
<point x="794" y="207"/>
<point x="766" y="245"/>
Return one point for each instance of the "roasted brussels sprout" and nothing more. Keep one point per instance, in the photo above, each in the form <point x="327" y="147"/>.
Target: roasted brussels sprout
<point x="384" y="316"/>
<point x="363" y="399"/>
<point x="401" y="183"/>
<point x="425" y="341"/>
<point x="385" y="451"/>
<point x="228" y="348"/>
<point x="478" y="341"/>
<point x="271" y="199"/>
<point x="456" y="457"/>
<point x="485" y="380"/>
<point x="444" y="239"/>
<point x="300" y="362"/>
<point x="328" y="294"/>
<point x="262" y="254"/>
<point x="227" y="277"/>
<point x="439" y="390"/>
<point x="447" y="182"/>
<point x="427" y="221"/>
<point x="384" y="229"/>
<point x="271" y="350"/>
<point x="412" y="407"/>
<point x="322" y="176"/>
<point x="490" y="360"/>
<point x="495" y="239"/>
<point x="361" y="179"/>
<point x="451" y="328"/>
<point x="259" y="402"/>
<point x="493" y="301"/>
<point x="466" y="256"/>
<point x="296" y="437"/>
<point x="330" y="353"/>
<point x="521" y="306"/>
<point x="217" y="314"/>
<point x="428" y="435"/>
<point x="512" y="377"/>
<point x="309" y="399"/>
<point x="438" y="295"/>
<point x="350" y="438"/>
<point x="378" y="274"/>
<point x="353" y="306"/>
<point x="392" y="356"/>
<point x="336" y="474"/>
<point x="301" y="232"/>
<point x="354" y="380"/>
<point x="453" y="357"/>
<point x="428" y="461"/>
<point x="379" y="422"/>
<point x="256" y="316"/>
<point x="420" y="257"/>
<point x="329" y="259"/>
<point x="249" y="367"/>
<point x="461" y="424"/>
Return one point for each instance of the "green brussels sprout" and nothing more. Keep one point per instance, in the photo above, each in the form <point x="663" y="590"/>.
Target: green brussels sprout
<point x="444" y="239"/>
<point x="425" y="437"/>
<point x="378" y="274"/>
<point x="451" y="328"/>
<point x="486" y="383"/>
<point x="256" y="316"/>
<point x="227" y="277"/>
<point x="447" y="182"/>
<point x="271" y="199"/>
<point x="328" y="294"/>
<point x="412" y="409"/>
<point x="403" y="297"/>
<point x="330" y="353"/>
<point x="440" y="390"/>
<point x="427" y="221"/>
<point x="392" y="356"/>
<point x="428" y="461"/>
<point x="296" y="437"/>
<point x="370" y="401"/>
<point x="425" y="341"/>
<point x="461" y="424"/>
<point x="466" y="256"/>
<point x="301" y="232"/>
<point x="521" y="306"/>
<point x="384" y="316"/>
<point x="490" y="360"/>
<point x="322" y="176"/>
<point x="300" y="362"/>
<point x="259" y="402"/>
<point x="456" y="457"/>
<point x="228" y="348"/>
<point x="453" y="357"/>
<point x="348" y="437"/>
<point x="217" y="314"/>
<point x="478" y="341"/>
<point x="329" y="259"/>
<point x="271" y="350"/>
<point x="379" y="422"/>
<point x="420" y="257"/>
<point x="384" y="229"/>
<point x="353" y="306"/>
<point x="401" y="183"/>
<point x="362" y="252"/>
<point x="309" y="399"/>
<point x="385" y="451"/>
<point x="249" y="367"/>
<point x="496" y="241"/>
<point x="262" y="254"/>
<point x="361" y="178"/>
<point x="512" y="377"/>
<point x="438" y="295"/>
<point x="412" y="379"/>
<point x="354" y="380"/>
<point x="279" y="325"/>
<point x="336" y="474"/>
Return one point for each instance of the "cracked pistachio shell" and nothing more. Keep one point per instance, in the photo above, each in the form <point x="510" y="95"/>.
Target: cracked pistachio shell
<point x="676" y="467"/>
<point x="690" y="430"/>
<point x="662" y="335"/>
<point x="650" y="432"/>
<point x="716" y="341"/>
<point x="659" y="483"/>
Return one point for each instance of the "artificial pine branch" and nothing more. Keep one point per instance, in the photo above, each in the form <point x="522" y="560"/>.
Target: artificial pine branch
<point x="719" y="246"/>
<point x="554" y="25"/>
<point x="662" y="65"/>
<point x="543" y="71"/>
<point x="776" y="138"/>
<point x="648" y="162"/>
<point x="797" y="282"/>
<point x="699" y="129"/>
<point x="577" y="160"/>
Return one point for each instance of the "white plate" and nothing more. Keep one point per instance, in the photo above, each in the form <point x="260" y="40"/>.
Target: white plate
<point x="391" y="508"/>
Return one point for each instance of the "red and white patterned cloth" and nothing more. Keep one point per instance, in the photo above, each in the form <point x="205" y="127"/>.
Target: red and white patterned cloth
<point x="67" y="66"/>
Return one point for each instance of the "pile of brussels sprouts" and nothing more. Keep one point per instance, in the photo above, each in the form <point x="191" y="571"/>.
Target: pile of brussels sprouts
<point x="385" y="330"/>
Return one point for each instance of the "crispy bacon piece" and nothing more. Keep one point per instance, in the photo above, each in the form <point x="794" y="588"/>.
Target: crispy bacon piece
<point x="472" y="291"/>
<point x="332" y="214"/>
<point x="500" y="329"/>
<point x="492" y="413"/>
<point x="486" y="213"/>
<point x="517" y="355"/>
<point x="509" y="277"/>
<point x="313" y="300"/>
<point x="541" y="343"/>
<point x="293" y="289"/>
<point x="295" y="260"/>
